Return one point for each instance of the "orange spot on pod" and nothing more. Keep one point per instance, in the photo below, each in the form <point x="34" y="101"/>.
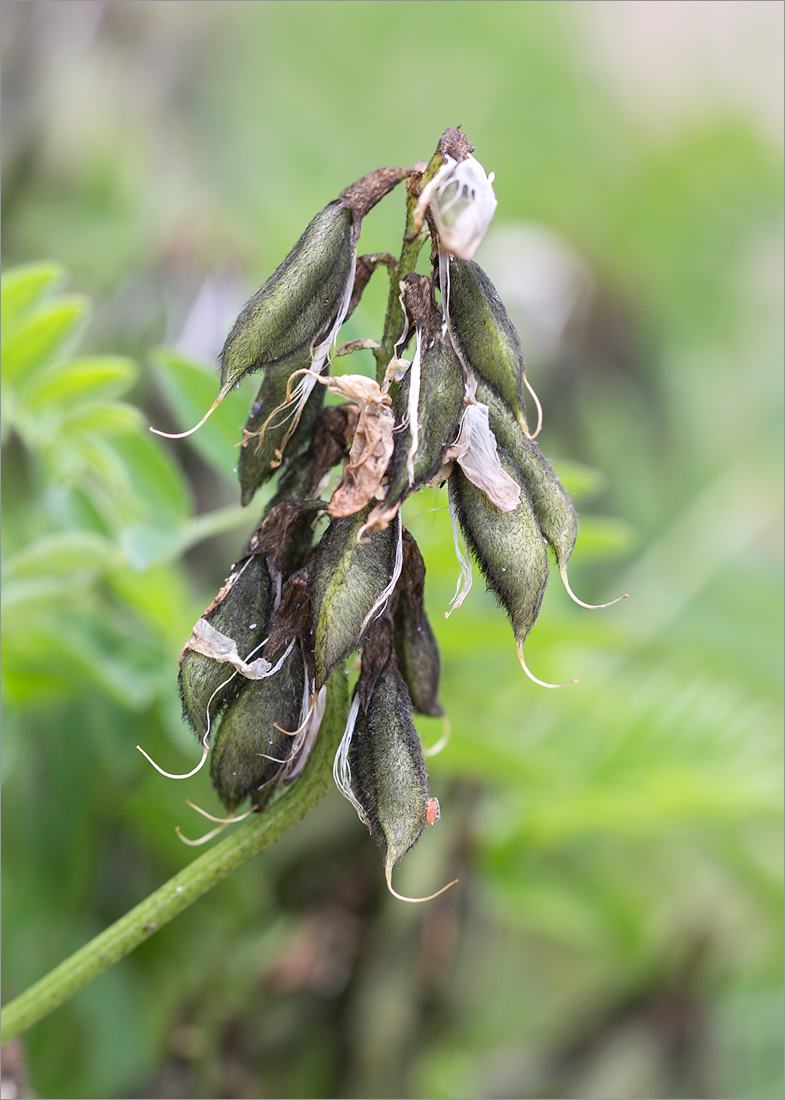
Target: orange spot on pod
<point x="432" y="811"/>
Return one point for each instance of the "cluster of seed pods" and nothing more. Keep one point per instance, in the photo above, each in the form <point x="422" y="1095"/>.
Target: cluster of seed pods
<point x="331" y="571"/>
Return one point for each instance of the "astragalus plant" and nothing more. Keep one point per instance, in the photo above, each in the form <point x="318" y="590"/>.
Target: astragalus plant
<point x="331" y="570"/>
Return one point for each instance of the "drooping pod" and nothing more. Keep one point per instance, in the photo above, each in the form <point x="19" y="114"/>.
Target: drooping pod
<point x="291" y="321"/>
<point x="351" y="582"/>
<point x="509" y="549"/>
<point x="429" y="404"/>
<point x="389" y="784"/>
<point x="284" y="540"/>
<point x="252" y="746"/>
<point x="482" y="332"/>
<point x="332" y="436"/>
<point x="551" y="502"/>
<point x="416" y="649"/>
<point x="240" y="612"/>
<point x="265" y="435"/>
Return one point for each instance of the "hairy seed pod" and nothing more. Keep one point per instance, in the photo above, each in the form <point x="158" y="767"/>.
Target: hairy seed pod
<point x="507" y="546"/>
<point x="388" y="770"/>
<point x="350" y="581"/>
<point x="483" y="334"/>
<point x="552" y="506"/>
<point x="430" y="403"/>
<point x="252" y="748"/>
<point x="416" y="650"/>
<point x="265" y="432"/>
<point x="296" y="309"/>
<point x="240" y="611"/>
<point x="306" y="299"/>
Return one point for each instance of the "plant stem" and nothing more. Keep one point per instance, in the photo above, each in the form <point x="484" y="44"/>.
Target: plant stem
<point x="412" y="243"/>
<point x="250" y="838"/>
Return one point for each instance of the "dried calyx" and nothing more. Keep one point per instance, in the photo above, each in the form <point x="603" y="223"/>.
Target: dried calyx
<point x="267" y="659"/>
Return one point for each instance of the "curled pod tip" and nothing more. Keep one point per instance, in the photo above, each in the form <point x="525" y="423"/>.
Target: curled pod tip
<point x="551" y="502"/>
<point x="509" y="549"/>
<point x="388" y="776"/>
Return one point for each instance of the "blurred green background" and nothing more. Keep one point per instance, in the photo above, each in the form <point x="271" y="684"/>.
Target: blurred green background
<point x="617" y="927"/>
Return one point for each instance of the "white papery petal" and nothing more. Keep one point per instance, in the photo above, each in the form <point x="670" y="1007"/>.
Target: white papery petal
<point x="342" y="772"/>
<point x="463" y="205"/>
<point x="205" y="639"/>
<point x="475" y="452"/>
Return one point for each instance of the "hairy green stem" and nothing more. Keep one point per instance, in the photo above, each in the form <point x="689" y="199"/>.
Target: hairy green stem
<point x="249" y="838"/>
<point x="412" y="243"/>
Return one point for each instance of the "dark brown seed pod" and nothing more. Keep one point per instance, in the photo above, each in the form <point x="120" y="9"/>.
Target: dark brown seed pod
<point x="416" y="649"/>
<point x="284" y="539"/>
<point x="483" y="334"/>
<point x="254" y="742"/>
<point x="240" y="611"/>
<point x="266" y="433"/>
<point x="509" y="550"/>
<point x="332" y="436"/>
<point x="350" y="583"/>
<point x="292" y="618"/>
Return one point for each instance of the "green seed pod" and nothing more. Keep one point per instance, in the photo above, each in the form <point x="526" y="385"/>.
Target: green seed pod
<point x="388" y="770"/>
<point x="265" y="432"/>
<point x="552" y="506"/>
<point x="240" y="611"/>
<point x="482" y="332"/>
<point x="297" y="308"/>
<point x="416" y="650"/>
<point x="551" y="502"/>
<point x="430" y="401"/>
<point x="350" y="582"/>
<point x="252" y="748"/>
<point x="290" y="322"/>
<point x="507" y="546"/>
<point x="305" y="300"/>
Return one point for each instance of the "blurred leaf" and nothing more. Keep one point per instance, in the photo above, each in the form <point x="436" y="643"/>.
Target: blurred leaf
<point x="97" y="378"/>
<point x="42" y="336"/>
<point x="580" y="481"/>
<point x="32" y="593"/>
<point x="63" y="658"/>
<point x="22" y="287"/>
<point x="157" y="482"/>
<point x="64" y="552"/>
<point x="150" y="544"/>
<point x="604" y="537"/>
<point x="107" y="420"/>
